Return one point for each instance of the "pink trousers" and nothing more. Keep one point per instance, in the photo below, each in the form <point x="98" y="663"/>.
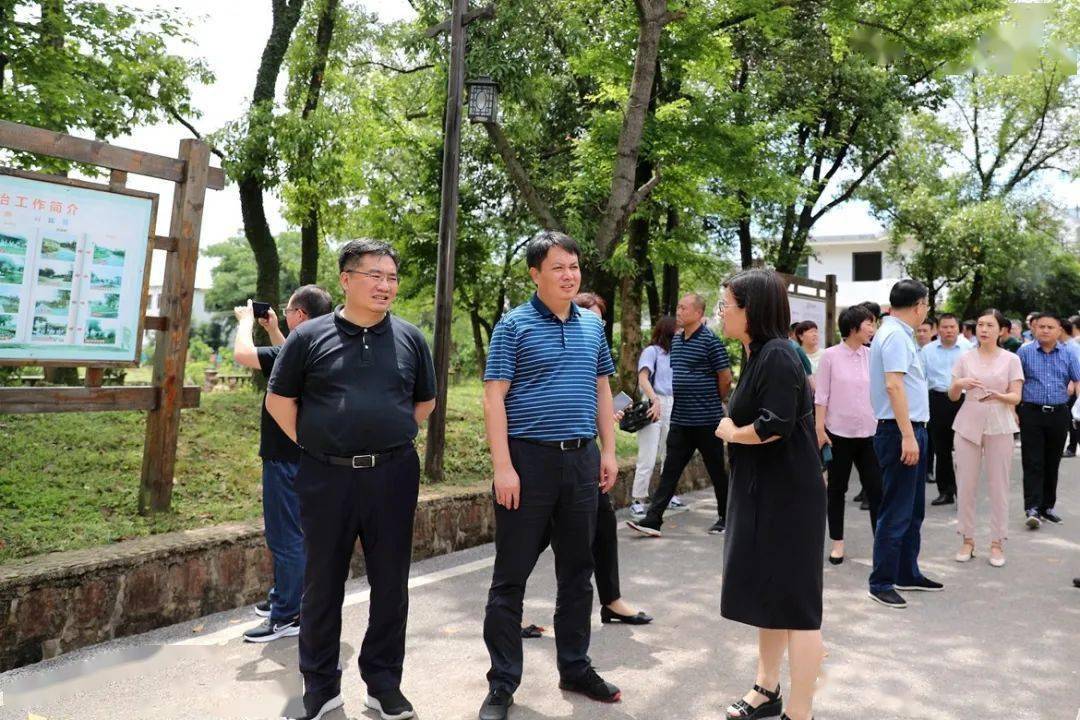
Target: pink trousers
<point x="996" y="452"/>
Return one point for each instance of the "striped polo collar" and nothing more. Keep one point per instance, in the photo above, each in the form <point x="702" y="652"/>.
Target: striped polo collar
<point x="545" y="312"/>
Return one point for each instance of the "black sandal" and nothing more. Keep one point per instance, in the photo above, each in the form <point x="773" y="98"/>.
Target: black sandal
<point x="742" y="710"/>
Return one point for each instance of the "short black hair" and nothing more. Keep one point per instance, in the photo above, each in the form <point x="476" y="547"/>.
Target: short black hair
<point x="947" y="316"/>
<point x="872" y="307"/>
<point x="1002" y="321"/>
<point x="543" y="241"/>
<point x="852" y="318"/>
<point x="763" y="294"/>
<point x="970" y="325"/>
<point x="802" y="327"/>
<point x="1042" y="315"/>
<point x="907" y="293"/>
<point x="356" y="249"/>
<point x="313" y="300"/>
<point x="1067" y="325"/>
<point x="929" y="320"/>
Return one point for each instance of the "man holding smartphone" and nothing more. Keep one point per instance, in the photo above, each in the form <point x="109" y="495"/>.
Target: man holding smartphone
<point x="546" y="394"/>
<point x="352" y="388"/>
<point x="280" y="461"/>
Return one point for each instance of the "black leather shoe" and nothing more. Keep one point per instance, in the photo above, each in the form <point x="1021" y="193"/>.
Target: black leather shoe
<point x="1051" y="516"/>
<point x="607" y="615"/>
<point x="836" y="560"/>
<point x="742" y="710"/>
<point x="592" y="686"/>
<point x="943" y="499"/>
<point x="496" y="705"/>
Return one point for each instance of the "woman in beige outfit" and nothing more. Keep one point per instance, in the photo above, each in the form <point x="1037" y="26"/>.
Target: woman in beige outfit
<point x="990" y="378"/>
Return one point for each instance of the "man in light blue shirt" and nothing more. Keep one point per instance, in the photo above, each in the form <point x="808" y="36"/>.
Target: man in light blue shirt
<point x="938" y="358"/>
<point x="900" y="398"/>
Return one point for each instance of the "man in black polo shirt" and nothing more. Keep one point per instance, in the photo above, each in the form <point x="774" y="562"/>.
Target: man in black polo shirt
<point x="280" y="461"/>
<point x="701" y="379"/>
<point x="546" y="394"/>
<point x="352" y="388"/>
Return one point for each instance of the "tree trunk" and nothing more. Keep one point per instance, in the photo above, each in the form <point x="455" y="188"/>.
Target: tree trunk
<point x="478" y="339"/>
<point x="630" y="305"/>
<point x="652" y="295"/>
<point x="746" y="240"/>
<point x="309" y="229"/>
<point x="971" y="308"/>
<point x="286" y="14"/>
<point x="670" y="290"/>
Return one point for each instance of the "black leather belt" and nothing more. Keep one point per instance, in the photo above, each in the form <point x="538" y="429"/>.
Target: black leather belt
<point x="1047" y="409"/>
<point x="564" y="445"/>
<point x="360" y="462"/>
<point x="890" y="421"/>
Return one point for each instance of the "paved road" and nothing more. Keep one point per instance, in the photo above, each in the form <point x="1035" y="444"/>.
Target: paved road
<point x="999" y="644"/>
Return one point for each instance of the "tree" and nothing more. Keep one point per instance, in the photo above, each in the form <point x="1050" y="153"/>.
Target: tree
<point x="79" y="65"/>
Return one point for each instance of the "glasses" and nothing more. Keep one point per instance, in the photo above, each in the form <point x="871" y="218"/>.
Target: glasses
<point x="375" y="277"/>
<point x="286" y="310"/>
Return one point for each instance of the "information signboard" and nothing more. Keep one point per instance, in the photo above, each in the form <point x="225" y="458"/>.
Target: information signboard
<point x="808" y="308"/>
<point x="74" y="262"/>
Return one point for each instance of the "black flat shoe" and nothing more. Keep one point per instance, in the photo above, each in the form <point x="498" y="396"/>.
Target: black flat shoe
<point x="943" y="499"/>
<point x="607" y="615"/>
<point x="859" y="497"/>
<point x="531" y="632"/>
<point x="742" y="710"/>
<point x="836" y="560"/>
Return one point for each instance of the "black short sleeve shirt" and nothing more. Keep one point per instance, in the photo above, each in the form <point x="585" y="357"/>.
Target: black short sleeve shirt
<point x="356" y="386"/>
<point x="274" y="444"/>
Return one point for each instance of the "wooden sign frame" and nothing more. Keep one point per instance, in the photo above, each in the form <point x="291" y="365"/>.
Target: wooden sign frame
<point x="143" y="291"/>
<point x="820" y="291"/>
<point x="164" y="398"/>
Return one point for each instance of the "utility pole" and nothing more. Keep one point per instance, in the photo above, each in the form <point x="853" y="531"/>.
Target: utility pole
<point x="448" y="210"/>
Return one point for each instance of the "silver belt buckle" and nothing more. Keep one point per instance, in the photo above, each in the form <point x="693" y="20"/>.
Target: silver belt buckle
<point x="363" y="461"/>
<point x="1047" y="409"/>
<point x="564" y="447"/>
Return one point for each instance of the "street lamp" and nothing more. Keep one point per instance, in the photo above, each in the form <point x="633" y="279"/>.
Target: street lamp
<point x="483" y="100"/>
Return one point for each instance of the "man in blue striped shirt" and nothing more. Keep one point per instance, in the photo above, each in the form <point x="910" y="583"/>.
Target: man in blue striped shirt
<point x="546" y="394"/>
<point x="701" y="379"/>
<point x="1049" y="367"/>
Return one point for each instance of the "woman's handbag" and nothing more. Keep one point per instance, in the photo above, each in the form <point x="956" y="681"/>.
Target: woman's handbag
<point x="636" y="417"/>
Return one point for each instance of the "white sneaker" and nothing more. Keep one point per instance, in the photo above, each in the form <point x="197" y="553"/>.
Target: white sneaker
<point x="638" y="509"/>
<point x="676" y="504"/>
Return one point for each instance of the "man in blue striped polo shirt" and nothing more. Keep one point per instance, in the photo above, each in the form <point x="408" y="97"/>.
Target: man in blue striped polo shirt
<point x="1049" y="367"/>
<point x="546" y="394"/>
<point x="701" y="379"/>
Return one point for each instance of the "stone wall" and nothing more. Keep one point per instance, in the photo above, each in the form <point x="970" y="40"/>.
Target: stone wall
<point x="54" y="603"/>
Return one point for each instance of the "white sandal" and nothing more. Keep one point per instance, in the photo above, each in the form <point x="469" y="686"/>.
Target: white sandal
<point x="997" y="561"/>
<point x="967" y="551"/>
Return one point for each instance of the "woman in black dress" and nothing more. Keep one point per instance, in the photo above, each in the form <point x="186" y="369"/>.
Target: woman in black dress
<point x="776" y="511"/>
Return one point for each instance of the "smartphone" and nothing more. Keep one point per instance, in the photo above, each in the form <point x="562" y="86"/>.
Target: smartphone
<point x="826" y="454"/>
<point x="622" y="401"/>
<point x="261" y="309"/>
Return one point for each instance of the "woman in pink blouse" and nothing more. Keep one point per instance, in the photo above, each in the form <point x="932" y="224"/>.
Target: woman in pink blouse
<point x="991" y="379"/>
<point x="845" y="420"/>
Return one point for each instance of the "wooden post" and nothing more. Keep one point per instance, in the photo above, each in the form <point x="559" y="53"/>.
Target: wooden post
<point x="177" y="292"/>
<point x="830" y="311"/>
<point x="444" y="276"/>
<point x="95" y="376"/>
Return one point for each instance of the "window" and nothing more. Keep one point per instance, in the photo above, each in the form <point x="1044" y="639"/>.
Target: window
<point x="865" y="266"/>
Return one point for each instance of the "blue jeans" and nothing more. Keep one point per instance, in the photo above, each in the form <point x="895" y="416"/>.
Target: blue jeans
<point x="281" y="516"/>
<point x="903" y="505"/>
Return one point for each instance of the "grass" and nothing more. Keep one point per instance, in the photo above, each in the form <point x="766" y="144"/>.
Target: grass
<point x="70" y="480"/>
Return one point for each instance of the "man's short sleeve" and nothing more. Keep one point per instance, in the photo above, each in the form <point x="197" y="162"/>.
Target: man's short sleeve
<point x="718" y="356"/>
<point x="502" y="353"/>
<point x="605" y="366"/>
<point x="267" y="355"/>
<point x="895" y="354"/>
<point x="287" y="378"/>
<point x="424" y="387"/>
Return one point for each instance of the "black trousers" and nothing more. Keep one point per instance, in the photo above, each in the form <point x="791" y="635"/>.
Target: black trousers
<point x="942" y="413"/>
<point x="1042" y="440"/>
<point x="845" y="453"/>
<point x="1074" y="428"/>
<point x="337" y="506"/>
<point x="682" y="441"/>
<point x="605" y="550"/>
<point x="558" y="496"/>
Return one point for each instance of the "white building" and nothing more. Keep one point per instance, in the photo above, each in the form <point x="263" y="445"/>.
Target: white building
<point x="860" y="263"/>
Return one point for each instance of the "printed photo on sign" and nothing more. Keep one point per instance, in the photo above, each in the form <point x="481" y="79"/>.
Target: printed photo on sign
<point x="52" y="302"/>
<point x="108" y="306"/>
<point x="49" y="329"/>
<point x="9" y="299"/>
<point x="7" y="327"/>
<point x="108" y="256"/>
<point x="55" y="274"/>
<point x="106" y="278"/>
<point x="12" y="245"/>
<point x="11" y="269"/>
<point x="100" y="332"/>
<point x="52" y="249"/>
